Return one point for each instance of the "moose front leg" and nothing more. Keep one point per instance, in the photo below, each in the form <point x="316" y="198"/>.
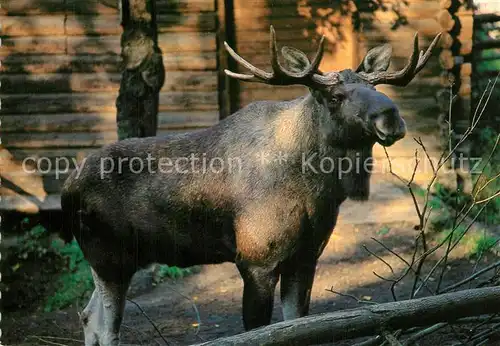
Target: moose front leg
<point x="258" y="294"/>
<point x="103" y="315"/>
<point x="297" y="276"/>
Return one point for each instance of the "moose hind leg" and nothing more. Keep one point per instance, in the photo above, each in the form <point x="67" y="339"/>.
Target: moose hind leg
<point x="259" y="285"/>
<point x="112" y="297"/>
<point x="297" y="276"/>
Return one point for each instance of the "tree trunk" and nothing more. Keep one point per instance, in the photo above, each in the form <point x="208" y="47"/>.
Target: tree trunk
<point x="371" y="320"/>
<point x="143" y="71"/>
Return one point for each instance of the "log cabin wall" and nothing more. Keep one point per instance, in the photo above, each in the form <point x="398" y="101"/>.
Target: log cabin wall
<point x="486" y="59"/>
<point x="60" y="79"/>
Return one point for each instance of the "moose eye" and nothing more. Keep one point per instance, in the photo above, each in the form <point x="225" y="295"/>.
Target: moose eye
<point x="336" y="99"/>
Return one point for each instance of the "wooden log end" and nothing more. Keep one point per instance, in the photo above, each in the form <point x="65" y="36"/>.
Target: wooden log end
<point x="446" y="59"/>
<point x="446" y="40"/>
<point x="466" y="70"/>
<point x="446" y="20"/>
<point x="464" y="90"/>
<point x="445" y="4"/>
<point x="466" y="48"/>
<point x="446" y="79"/>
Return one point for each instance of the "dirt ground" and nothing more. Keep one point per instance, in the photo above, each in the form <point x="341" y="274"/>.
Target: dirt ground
<point x="216" y="291"/>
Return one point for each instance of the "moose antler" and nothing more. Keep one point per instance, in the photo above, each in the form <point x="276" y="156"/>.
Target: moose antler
<point x="416" y="62"/>
<point x="310" y="76"/>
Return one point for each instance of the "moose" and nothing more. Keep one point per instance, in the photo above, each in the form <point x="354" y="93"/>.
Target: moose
<point x="271" y="217"/>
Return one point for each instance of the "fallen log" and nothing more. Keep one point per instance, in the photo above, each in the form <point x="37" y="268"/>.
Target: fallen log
<point x="371" y="320"/>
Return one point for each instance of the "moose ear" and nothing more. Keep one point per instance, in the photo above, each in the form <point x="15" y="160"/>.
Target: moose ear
<point x="377" y="59"/>
<point x="296" y="60"/>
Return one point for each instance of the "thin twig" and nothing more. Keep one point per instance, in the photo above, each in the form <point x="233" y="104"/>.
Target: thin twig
<point x="472" y="277"/>
<point x="483" y="323"/>
<point x="150" y="320"/>
<point x="370" y="342"/>
<point x="137" y="331"/>
<point x="378" y="257"/>
<point x="391" y="339"/>
<point x="49" y="342"/>
<point x="54" y="338"/>
<point x="427" y="331"/>
<point x="350" y="296"/>
<point x="400" y="257"/>
<point x="421" y="143"/>
<point x="195" y="308"/>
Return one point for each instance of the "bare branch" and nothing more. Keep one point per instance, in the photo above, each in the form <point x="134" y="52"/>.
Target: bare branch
<point x="351" y="296"/>
<point x="379" y="258"/>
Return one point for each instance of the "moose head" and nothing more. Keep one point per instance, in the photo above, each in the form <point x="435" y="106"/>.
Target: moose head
<point x="348" y="97"/>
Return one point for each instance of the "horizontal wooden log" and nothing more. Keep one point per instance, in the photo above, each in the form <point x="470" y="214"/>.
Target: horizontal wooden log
<point x="101" y="82"/>
<point x="283" y="23"/>
<point x="31" y="7"/>
<point x="32" y="45"/>
<point x="100" y="102"/>
<point x="41" y="64"/>
<point x="272" y="3"/>
<point x="486" y="18"/>
<point x="100" y="122"/>
<point x="265" y="12"/>
<point x="32" y="25"/>
<point x="414" y="11"/>
<point x="100" y="7"/>
<point x="44" y="25"/>
<point x="487" y="44"/>
<point x="427" y="28"/>
<point x="27" y="204"/>
<point x="281" y="36"/>
<point x="49" y="141"/>
<point x="370" y="320"/>
<point x="168" y="42"/>
<point x="46" y="159"/>
<point x="194" y="6"/>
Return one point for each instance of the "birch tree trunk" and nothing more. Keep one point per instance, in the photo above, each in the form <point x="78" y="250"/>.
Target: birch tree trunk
<point x="143" y="72"/>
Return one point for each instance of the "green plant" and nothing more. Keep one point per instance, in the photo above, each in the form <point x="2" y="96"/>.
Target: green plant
<point x="75" y="281"/>
<point x="383" y="231"/>
<point x="482" y="176"/>
<point x="163" y="271"/>
<point x="484" y="244"/>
